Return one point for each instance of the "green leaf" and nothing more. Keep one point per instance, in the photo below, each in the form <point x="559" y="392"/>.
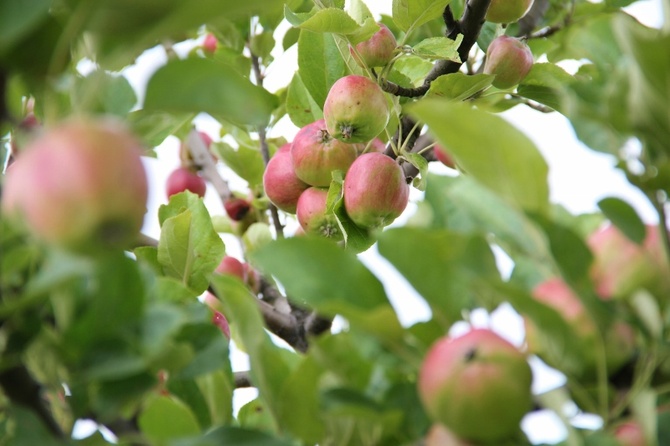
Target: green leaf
<point x="301" y="107"/>
<point x="501" y="157"/>
<point x="244" y="161"/>
<point x="414" y="13"/>
<point x="546" y="84"/>
<point x="101" y="92"/>
<point x="208" y="86"/>
<point x="236" y="436"/>
<point x="154" y="127"/>
<point x="434" y="48"/>
<point x="327" y="20"/>
<point x="650" y="90"/>
<point x="269" y="368"/>
<point x="320" y="63"/>
<point x="458" y="86"/>
<point x="18" y="18"/>
<point x="624" y="216"/>
<point x="305" y="267"/>
<point x="421" y="164"/>
<point x="299" y="402"/>
<point x="444" y="267"/>
<point x="188" y="249"/>
<point x="27" y="429"/>
<point x="463" y="205"/>
<point x="165" y="418"/>
<point x="161" y="321"/>
<point x="217" y="389"/>
<point x="187" y="391"/>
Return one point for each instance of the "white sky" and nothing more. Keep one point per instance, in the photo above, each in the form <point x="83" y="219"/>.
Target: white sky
<point x="578" y="178"/>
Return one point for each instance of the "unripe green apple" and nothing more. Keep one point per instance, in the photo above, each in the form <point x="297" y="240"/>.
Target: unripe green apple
<point x="375" y="190"/>
<point x="377" y="51"/>
<point x="312" y="215"/>
<point x="316" y="154"/>
<point x="509" y="59"/>
<point x="478" y="385"/>
<point x="355" y="109"/>
<point x="619" y="340"/>
<point x="182" y="179"/>
<point x="507" y="11"/>
<point x="621" y="266"/>
<point x="80" y="185"/>
<point x="281" y="184"/>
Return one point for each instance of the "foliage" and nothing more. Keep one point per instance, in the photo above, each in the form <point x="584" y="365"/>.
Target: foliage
<point x="122" y="339"/>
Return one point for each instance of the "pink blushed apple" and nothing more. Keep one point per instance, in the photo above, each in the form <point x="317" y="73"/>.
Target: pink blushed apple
<point x="478" y="385"/>
<point x="509" y="59"/>
<point x="81" y="185"/>
<point x="356" y="109"/>
<point x="375" y="190"/>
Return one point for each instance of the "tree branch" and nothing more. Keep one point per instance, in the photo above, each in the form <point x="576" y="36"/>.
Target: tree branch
<point x="242" y="379"/>
<point x="22" y="389"/>
<point x="469" y="25"/>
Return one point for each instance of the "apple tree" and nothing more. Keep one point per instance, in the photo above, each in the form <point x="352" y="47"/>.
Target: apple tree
<point x="101" y="322"/>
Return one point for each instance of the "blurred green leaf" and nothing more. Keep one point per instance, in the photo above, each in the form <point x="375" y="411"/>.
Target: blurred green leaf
<point x="188" y="392"/>
<point x="165" y="418"/>
<point x="501" y="158"/>
<point x="18" y="17"/>
<point x="649" y="98"/>
<point x="208" y="86"/>
<point x="244" y="161"/>
<point x="444" y="267"/>
<point x="28" y="429"/>
<point x="462" y="204"/>
<point x="189" y="249"/>
<point x="269" y="369"/>
<point x="102" y="92"/>
<point x="320" y="63"/>
<point x="624" y="216"/>
<point x="304" y="266"/>
<point x="546" y="84"/>
<point x="217" y="389"/>
<point x="237" y="436"/>
<point x="410" y="14"/>
<point x="154" y="126"/>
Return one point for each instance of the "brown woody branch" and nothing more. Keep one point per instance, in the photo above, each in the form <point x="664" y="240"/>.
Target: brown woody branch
<point x="469" y="25"/>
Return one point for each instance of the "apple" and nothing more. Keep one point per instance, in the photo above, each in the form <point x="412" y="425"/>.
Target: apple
<point x="210" y="43"/>
<point x="316" y="154"/>
<point x="509" y="59"/>
<point x="281" y="184"/>
<point x="312" y="215"/>
<point x="478" y="385"/>
<point x="182" y="179"/>
<point x="620" y="266"/>
<point x="356" y="109"/>
<point x="630" y="433"/>
<point x="443" y="156"/>
<point x="237" y="208"/>
<point x="507" y="11"/>
<point x="80" y="185"/>
<point x="231" y="266"/>
<point x="619" y="340"/>
<point x="218" y="318"/>
<point x="377" y="51"/>
<point x="375" y="190"/>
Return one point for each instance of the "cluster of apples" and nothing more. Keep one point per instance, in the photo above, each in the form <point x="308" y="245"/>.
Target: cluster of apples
<point x="375" y="191"/>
